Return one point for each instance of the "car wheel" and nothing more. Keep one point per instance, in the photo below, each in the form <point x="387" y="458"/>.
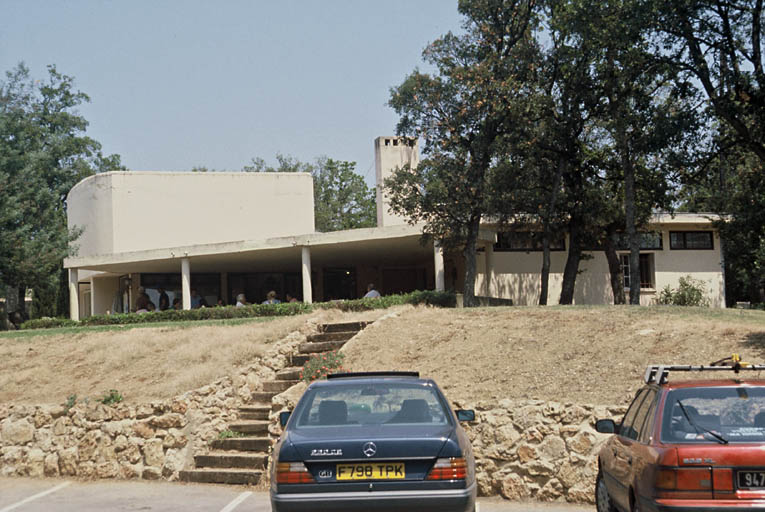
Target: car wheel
<point x="602" y="499"/>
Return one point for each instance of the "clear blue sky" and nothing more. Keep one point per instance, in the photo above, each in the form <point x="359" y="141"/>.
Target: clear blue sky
<point x="177" y="84"/>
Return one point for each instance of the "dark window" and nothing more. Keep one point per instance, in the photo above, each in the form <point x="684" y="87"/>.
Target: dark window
<point x="639" y="425"/>
<point x="690" y="240"/>
<point x="527" y="241"/>
<point x="206" y="285"/>
<point x="626" y="428"/>
<point x="646" y="270"/>
<point x="381" y="404"/>
<point x="735" y="412"/>
<point x="649" y="241"/>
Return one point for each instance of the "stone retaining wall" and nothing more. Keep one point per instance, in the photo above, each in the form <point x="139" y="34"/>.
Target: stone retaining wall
<point x="524" y="449"/>
<point x="150" y="441"/>
<point x="530" y="449"/>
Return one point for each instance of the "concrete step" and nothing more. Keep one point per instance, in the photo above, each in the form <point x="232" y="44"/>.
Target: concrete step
<point x="262" y="397"/>
<point x="279" y="385"/>
<point x="331" y="336"/>
<point x="315" y="348"/>
<point x="289" y="373"/>
<point x="221" y="476"/>
<point x="254" y="412"/>
<point x="299" y="359"/>
<point x="250" y="427"/>
<point x="242" y="444"/>
<point x="231" y="460"/>
<point x="343" y="326"/>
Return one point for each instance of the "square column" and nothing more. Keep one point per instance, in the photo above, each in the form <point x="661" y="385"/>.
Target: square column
<point x="438" y="265"/>
<point x="306" y="271"/>
<point x="74" y="295"/>
<point x="186" y="283"/>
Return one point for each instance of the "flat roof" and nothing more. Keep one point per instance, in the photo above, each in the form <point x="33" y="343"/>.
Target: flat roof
<point x="389" y="245"/>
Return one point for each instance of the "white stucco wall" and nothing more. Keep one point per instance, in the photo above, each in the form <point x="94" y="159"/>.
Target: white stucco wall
<point x="517" y="274"/>
<point x="133" y="211"/>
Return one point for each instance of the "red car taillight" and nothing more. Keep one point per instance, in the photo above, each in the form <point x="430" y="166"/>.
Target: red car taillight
<point x="293" y="473"/>
<point x="453" y="468"/>
<point x="684" y="479"/>
<point x="694" y="482"/>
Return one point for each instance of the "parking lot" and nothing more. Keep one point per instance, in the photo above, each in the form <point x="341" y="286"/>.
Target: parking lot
<point x="45" y="495"/>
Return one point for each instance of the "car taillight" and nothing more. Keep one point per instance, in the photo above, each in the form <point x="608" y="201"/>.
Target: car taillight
<point x="293" y="473"/>
<point x="453" y="468"/>
<point x="684" y="479"/>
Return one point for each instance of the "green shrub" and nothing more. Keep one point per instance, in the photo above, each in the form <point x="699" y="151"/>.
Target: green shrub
<point x="71" y="400"/>
<point x="441" y="299"/>
<point x="321" y="365"/>
<point x="228" y="434"/>
<point x="216" y="313"/>
<point x="111" y="397"/>
<point x="689" y="292"/>
<point x="432" y="298"/>
<point x="47" y="322"/>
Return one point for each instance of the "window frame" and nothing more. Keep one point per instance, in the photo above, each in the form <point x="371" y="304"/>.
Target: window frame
<point x="685" y="247"/>
<point x="504" y="242"/>
<point x="634" y="406"/>
<point x="651" y="258"/>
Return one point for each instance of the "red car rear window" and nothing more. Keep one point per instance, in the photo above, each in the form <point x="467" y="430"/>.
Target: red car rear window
<point x="714" y="415"/>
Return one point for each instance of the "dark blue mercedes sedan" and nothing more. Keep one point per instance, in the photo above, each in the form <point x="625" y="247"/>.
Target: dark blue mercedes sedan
<point x="378" y="441"/>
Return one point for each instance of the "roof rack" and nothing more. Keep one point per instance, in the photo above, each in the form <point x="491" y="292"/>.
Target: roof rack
<point x="346" y="375"/>
<point x="658" y="373"/>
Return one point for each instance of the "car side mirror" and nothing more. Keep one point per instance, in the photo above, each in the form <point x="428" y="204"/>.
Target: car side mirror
<point x="284" y="416"/>
<point x="605" y="426"/>
<point x="465" y="415"/>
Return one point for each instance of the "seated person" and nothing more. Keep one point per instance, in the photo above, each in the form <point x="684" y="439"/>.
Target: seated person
<point x="271" y="298"/>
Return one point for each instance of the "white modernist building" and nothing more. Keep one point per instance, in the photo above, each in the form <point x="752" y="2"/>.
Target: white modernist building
<point x="223" y="234"/>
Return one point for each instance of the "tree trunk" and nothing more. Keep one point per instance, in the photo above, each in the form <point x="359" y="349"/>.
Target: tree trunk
<point x="544" y="284"/>
<point x="545" y="277"/>
<point x="615" y="269"/>
<point x="631" y="228"/>
<point x="469" y="299"/>
<point x="572" y="262"/>
<point x="22" y="304"/>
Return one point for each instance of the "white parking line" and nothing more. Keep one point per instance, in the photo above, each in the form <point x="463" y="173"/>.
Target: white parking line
<point x="34" y="497"/>
<point x="231" y="506"/>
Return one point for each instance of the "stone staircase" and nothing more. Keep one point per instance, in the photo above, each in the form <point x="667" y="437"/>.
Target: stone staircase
<point x="243" y="460"/>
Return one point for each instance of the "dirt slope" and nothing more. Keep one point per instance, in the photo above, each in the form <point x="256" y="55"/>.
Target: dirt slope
<point x="145" y="363"/>
<point x="588" y="355"/>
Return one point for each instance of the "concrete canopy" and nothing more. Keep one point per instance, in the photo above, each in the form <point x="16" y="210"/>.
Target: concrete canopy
<point x="391" y="246"/>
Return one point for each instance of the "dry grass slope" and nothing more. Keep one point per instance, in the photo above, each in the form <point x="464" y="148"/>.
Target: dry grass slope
<point x="593" y="355"/>
<point x="145" y="363"/>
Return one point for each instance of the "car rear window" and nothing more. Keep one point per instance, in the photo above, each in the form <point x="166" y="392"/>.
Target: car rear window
<point x="736" y="413"/>
<point x="375" y="404"/>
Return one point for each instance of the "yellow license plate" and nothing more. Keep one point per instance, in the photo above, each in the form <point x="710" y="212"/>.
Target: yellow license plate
<point x="376" y="471"/>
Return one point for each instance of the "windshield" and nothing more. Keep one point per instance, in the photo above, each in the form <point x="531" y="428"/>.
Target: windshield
<point x="379" y="403"/>
<point x="710" y="415"/>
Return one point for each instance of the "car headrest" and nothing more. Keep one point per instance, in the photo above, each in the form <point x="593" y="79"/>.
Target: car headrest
<point x="333" y="412"/>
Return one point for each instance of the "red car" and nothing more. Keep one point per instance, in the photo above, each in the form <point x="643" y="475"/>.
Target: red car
<point x="687" y="445"/>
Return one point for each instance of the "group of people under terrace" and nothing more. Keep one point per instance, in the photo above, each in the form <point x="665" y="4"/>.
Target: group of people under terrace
<point x="144" y="304"/>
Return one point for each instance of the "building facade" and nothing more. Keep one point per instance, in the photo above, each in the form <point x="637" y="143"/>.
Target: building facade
<point x="205" y="238"/>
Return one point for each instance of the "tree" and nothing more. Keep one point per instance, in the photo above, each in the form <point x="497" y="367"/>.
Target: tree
<point x="462" y="113"/>
<point x="341" y="198"/>
<point x="43" y="154"/>
<point x="720" y="43"/>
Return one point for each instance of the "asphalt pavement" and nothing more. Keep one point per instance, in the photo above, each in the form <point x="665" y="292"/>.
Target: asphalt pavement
<point x="58" y="495"/>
